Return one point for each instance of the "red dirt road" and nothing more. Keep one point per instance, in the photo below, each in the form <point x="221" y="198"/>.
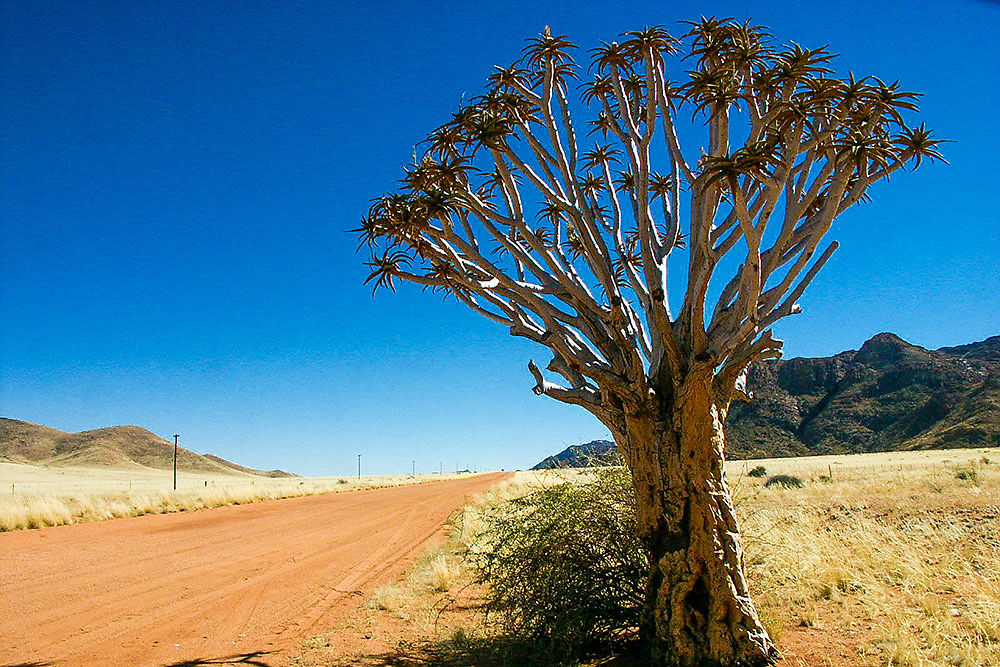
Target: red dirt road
<point x="243" y="582"/>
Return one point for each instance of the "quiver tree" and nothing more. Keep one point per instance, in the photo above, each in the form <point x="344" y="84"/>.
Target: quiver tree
<point x="566" y="234"/>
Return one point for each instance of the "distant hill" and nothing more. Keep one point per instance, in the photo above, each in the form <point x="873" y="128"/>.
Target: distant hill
<point x="249" y="471"/>
<point x="888" y="395"/>
<point x="114" y="447"/>
<point x="589" y="454"/>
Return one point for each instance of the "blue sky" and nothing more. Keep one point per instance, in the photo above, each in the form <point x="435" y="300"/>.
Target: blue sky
<point x="176" y="179"/>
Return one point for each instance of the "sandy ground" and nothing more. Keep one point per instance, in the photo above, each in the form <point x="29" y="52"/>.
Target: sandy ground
<point x="242" y="584"/>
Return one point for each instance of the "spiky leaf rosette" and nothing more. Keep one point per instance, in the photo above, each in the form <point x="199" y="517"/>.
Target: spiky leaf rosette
<point x="567" y="241"/>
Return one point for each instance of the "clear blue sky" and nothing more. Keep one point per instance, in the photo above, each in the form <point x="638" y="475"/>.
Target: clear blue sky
<point x="176" y="179"/>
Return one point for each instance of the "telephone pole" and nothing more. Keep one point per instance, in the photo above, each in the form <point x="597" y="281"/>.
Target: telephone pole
<point x="175" y="460"/>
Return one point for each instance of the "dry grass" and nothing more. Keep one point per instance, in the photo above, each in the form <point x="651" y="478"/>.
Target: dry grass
<point x="884" y="559"/>
<point x="34" y="496"/>
<point x="899" y="556"/>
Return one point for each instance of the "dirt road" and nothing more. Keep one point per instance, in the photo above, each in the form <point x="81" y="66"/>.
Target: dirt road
<point x="230" y="585"/>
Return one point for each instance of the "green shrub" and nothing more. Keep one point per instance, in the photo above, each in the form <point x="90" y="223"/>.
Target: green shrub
<point x="967" y="474"/>
<point x="758" y="471"/>
<point x="787" y="481"/>
<point x="564" y="568"/>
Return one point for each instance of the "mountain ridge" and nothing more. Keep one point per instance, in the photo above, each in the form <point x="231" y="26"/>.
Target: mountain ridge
<point x="886" y="395"/>
<point x="585" y="455"/>
<point x="127" y="446"/>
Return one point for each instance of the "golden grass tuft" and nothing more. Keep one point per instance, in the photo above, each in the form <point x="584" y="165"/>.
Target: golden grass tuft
<point x="444" y="572"/>
<point x="316" y="643"/>
<point x="392" y="598"/>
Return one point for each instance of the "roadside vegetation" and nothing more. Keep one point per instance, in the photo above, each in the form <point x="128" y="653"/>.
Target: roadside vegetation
<point x="563" y="569"/>
<point x="889" y="559"/>
<point x="35" y="497"/>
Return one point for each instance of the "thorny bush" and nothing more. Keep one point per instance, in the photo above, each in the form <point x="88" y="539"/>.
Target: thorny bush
<point x="564" y="567"/>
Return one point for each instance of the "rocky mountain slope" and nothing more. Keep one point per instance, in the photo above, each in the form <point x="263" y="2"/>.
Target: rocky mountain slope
<point x="596" y="453"/>
<point x="114" y="447"/>
<point x="887" y="395"/>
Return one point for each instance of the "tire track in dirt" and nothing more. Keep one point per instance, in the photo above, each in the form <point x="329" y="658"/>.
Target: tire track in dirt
<point x="192" y="588"/>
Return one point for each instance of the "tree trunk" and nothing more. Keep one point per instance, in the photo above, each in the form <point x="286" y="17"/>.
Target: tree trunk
<point x="698" y="608"/>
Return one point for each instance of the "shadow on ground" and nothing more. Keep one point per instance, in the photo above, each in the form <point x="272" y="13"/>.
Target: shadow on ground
<point x="252" y="659"/>
<point x="466" y="652"/>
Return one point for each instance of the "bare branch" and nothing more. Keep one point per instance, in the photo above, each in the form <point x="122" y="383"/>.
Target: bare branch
<point x="583" y="250"/>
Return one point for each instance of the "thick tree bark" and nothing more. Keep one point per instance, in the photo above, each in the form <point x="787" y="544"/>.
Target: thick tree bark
<point x="698" y="609"/>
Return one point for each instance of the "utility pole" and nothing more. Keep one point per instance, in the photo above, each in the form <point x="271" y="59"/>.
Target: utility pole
<point x="359" y="466"/>
<point x="414" y="469"/>
<point x="175" y="460"/>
